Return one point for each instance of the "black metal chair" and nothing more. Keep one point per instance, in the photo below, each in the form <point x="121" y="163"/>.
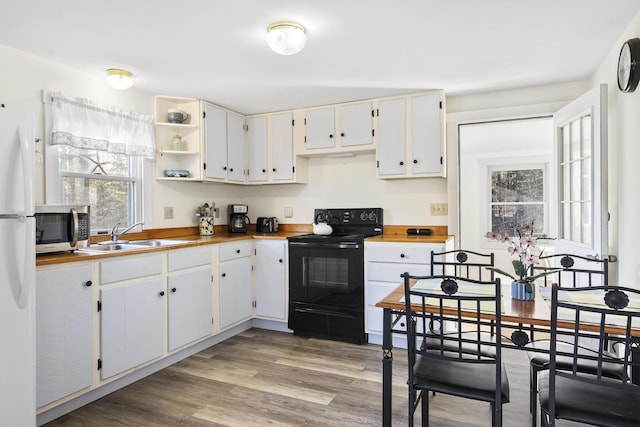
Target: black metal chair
<point x="592" y="398"/>
<point x="469" y="265"/>
<point x="462" y="263"/>
<point x="450" y="368"/>
<point x="575" y="271"/>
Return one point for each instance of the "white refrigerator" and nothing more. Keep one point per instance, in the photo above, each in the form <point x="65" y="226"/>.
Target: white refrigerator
<point x="17" y="270"/>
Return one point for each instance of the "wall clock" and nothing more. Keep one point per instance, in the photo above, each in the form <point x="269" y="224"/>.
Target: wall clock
<point x="628" y="68"/>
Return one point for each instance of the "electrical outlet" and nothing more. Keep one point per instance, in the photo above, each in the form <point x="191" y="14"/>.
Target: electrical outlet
<point x="439" y="209"/>
<point x="288" y="212"/>
<point x="216" y="212"/>
<point x="168" y="212"/>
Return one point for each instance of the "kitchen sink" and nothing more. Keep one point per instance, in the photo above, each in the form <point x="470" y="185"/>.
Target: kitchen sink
<point x="112" y="248"/>
<point x="132" y="245"/>
<point x="156" y="242"/>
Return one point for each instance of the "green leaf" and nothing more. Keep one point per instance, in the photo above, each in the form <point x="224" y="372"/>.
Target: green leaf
<point x="519" y="268"/>
<point x="497" y="270"/>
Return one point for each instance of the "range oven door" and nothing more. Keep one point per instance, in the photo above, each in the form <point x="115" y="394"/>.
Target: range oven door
<point x="326" y="290"/>
<point x="330" y="274"/>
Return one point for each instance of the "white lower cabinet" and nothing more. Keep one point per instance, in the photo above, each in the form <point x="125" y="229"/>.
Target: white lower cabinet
<point x="271" y="279"/>
<point x="385" y="262"/>
<point x="64" y="331"/>
<point x="132" y="300"/>
<point x="236" y="288"/>
<point x="190" y="287"/>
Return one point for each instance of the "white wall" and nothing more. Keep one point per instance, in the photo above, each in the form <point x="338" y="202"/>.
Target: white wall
<point x="624" y="152"/>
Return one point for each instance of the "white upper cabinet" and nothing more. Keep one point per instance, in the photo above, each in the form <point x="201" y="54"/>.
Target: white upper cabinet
<point x="320" y="128"/>
<point x="271" y="157"/>
<point x="338" y="129"/>
<point x="223" y="142"/>
<point x="257" y="139"/>
<point x="411" y="136"/>
<point x="356" y="124"/>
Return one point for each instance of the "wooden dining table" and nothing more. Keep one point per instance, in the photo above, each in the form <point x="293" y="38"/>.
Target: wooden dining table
<point x="524" y="318"/>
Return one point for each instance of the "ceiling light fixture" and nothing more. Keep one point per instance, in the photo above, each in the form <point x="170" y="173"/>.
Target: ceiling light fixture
<point x="119" y="79"/>
<point x="286" y="38"/>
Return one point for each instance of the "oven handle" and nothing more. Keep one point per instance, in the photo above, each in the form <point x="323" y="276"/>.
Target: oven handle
<point x="321" y="311"/>
<point x="340" y="245"/>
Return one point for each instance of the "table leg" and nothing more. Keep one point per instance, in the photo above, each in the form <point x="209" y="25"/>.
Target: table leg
<point x="387" y="367"/>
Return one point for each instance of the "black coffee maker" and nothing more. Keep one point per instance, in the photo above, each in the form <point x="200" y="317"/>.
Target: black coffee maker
<point x="238" y="219"/>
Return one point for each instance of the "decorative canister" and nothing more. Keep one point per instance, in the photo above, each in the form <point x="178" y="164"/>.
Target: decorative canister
<point x="206" y="226"/>
<point x="519" y="291"/>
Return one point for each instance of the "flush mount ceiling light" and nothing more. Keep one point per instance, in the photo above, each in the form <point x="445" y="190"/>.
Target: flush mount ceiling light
<point x="286" y="38"/>
<point x="119" y="79"/>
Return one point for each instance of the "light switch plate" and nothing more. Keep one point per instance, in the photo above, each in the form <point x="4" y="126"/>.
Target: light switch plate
<point x="288" y="212"/>
<point x="168" y="212"/>
<point x="438" y="209"/>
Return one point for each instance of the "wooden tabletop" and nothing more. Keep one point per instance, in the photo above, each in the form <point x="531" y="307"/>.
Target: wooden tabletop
<point x="536" y="312"/>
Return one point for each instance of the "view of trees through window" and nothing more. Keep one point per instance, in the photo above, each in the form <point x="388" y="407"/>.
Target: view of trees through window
<point x="101" y="180"/>
<point x="517" y="198"/>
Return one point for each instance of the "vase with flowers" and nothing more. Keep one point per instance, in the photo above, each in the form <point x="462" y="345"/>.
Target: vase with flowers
<point x="523" y="246"/>
<point x="205" y="214"/>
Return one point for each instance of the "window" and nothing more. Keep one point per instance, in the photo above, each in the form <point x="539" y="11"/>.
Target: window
<point x="95" y="156"/>
<point x="576" y="177"/>
<point x="517" y="198"/>
<point x="110" y="183"/>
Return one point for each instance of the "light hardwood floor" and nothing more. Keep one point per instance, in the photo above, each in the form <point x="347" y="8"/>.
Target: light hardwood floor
<point x="261" y="378"/>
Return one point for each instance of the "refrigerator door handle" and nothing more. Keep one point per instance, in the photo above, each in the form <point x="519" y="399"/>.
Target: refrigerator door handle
<point x="28" y="269"/>
<point x="28" y="166"/>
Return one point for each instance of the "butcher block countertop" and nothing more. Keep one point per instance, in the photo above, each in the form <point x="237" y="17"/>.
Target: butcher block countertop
<point x="191" y="238"/>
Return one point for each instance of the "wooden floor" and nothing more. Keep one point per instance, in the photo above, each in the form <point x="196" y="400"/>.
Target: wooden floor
<point x="261" y="378"/>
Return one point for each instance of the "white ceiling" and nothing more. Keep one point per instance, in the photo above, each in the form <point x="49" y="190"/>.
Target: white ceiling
<point x="356" y="49"/>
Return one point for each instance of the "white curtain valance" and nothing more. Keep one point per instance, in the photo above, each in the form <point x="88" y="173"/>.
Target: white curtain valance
<point x="80" y="123"/>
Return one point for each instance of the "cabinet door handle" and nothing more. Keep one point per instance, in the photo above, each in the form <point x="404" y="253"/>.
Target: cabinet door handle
<point x="342" y="134"/>
<point x="401" y="163"/>
<point x="230" y="169"/>
<point x="161" y="293"/>
<point x="173" y="290"/>
<point x="415" y="161"/>
<point x="264" y="170"/>
<point x="237" y="251"/>
<point x="330" y="135"/>
<point x="224" y="168"/>
<point x="401" y="255"/>
<point x="280" y="260"/>
<point x="274" y="169"/>
<point x="224" y="274"/>
<point x="88" y="283"/>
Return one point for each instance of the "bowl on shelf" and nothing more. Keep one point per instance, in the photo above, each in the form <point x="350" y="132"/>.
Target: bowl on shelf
<point x="176" y="173"/>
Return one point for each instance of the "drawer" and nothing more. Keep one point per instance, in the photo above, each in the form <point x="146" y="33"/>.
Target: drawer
<point x="235" y="250"/>
<point x="406" y="254"/>
<point x="382" y="272"/>
<point x="185" y="258"/>
<point x="130" y="267"/>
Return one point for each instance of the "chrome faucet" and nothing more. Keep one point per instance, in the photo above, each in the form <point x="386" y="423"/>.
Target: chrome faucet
<point x="114" y="232"/>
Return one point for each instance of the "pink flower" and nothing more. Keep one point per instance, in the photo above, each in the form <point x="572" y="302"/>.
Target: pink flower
<point x="513" y="250"/>
<point x="493" y="235"/>
<point x="506" y="239"/>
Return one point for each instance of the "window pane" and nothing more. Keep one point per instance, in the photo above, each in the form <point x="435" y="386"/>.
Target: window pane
<point x="524" y="185"/>
<point x="586" y="136"/>
<point x="575" y="140"/>
<point x="506" y="217"/>
<point x="92" y="162"/>
<point x="575" y="181"/>
<point x="586" y="180"/>
<point x="109" y="200"/>
<point x="586" y="223"/>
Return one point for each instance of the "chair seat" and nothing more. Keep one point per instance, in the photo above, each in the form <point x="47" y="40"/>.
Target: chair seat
<point x="565" y="363"/>
<point x="471" y="380"/>
<point x="433" y="343"/>
<point x="604" y="404"/>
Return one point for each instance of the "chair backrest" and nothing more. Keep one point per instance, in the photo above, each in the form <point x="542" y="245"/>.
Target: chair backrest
<point x="461" y="263"/>
<point x="612" y="313"/>
<point x="575" y="270"/>
<point x="457" y="301"/>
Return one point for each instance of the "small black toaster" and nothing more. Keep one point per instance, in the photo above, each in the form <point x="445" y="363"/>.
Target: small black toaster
<point x="267" y="225"/>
